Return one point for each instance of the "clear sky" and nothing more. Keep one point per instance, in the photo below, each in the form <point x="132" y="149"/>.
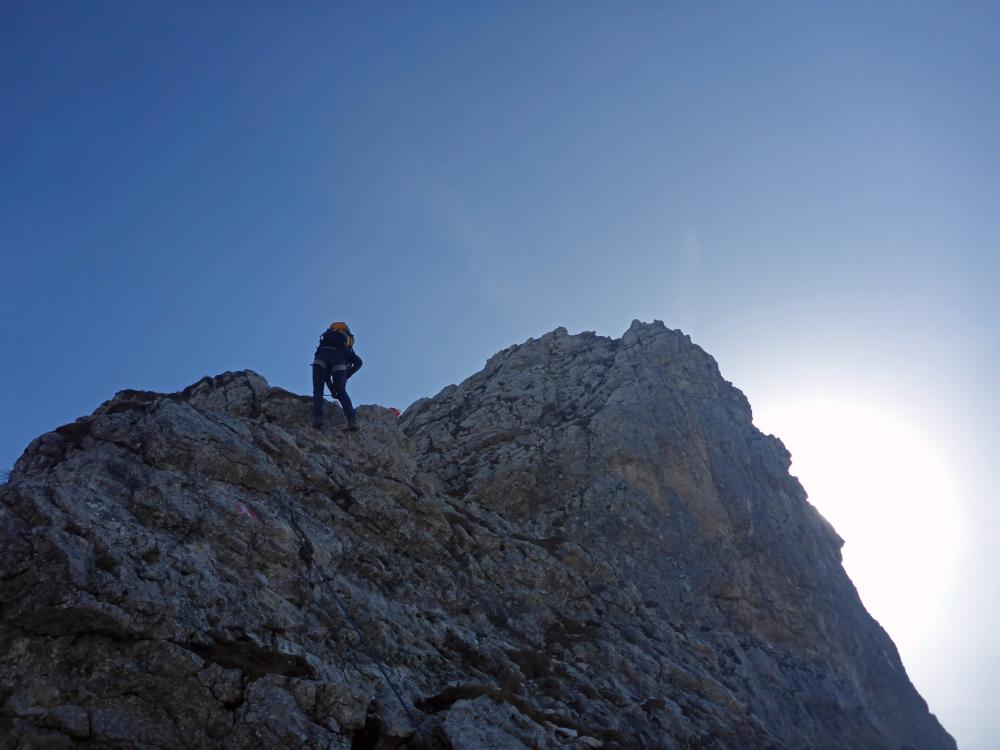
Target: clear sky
<point x="810" y="189"/>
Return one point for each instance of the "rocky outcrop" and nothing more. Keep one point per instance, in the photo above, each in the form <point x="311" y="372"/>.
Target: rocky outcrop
<point x="586" y="545"/>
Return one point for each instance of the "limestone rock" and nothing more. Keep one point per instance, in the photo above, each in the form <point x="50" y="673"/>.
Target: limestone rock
<point x="585" y="545"/>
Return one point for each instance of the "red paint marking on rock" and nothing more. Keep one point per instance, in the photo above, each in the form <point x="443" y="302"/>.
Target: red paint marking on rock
<point x="245" y="510"/>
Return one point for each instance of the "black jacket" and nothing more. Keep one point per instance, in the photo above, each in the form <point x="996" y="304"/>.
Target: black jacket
<point x="333" y="350"/>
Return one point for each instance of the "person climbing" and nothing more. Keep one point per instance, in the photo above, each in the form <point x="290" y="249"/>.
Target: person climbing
<point x="333" y="365"/>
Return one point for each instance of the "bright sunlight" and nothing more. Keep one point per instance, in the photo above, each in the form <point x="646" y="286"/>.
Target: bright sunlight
<point x="890" y="495"/>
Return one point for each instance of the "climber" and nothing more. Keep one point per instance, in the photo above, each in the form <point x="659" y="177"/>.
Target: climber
<point x="333" y="364"/>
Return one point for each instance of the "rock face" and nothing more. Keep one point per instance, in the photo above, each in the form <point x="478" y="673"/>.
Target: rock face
<point x="586" y="545"/>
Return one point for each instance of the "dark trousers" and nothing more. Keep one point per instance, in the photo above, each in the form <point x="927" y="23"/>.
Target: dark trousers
<point x="338" y="387"/>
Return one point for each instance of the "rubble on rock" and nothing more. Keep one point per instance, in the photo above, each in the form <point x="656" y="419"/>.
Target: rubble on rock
<point x="586" y="545"/>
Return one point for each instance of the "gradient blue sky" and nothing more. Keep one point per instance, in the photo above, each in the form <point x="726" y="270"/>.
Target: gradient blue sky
<point x="811" y="190"/>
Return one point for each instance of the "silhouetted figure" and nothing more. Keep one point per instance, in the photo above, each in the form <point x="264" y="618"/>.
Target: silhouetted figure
<point x="333" y="365"/>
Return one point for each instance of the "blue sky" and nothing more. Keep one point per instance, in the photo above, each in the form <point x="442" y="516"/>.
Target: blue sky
<point x="810" y="190"/>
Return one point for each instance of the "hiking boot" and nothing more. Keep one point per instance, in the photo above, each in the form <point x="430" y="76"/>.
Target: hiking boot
<point x="352" y="425"/>
<point x="317" y="425"/>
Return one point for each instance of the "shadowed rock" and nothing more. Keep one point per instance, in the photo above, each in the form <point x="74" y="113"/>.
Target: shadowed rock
<point x="585" y="545"/>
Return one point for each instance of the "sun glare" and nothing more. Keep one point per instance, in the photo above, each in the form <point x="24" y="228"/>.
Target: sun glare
<point x="890" y="495"/>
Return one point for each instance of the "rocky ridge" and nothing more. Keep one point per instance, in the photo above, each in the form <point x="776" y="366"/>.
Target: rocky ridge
<point x="585" y="545"/>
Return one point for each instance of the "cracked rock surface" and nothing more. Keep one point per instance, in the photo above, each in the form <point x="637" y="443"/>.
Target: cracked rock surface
<point x="585" y="545"/>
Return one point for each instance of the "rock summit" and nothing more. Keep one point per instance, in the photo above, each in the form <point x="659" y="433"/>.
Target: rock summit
<point x="586" y="545"/>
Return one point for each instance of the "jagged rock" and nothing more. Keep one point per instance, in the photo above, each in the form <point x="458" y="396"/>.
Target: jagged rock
<point x="587" y="544"/>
